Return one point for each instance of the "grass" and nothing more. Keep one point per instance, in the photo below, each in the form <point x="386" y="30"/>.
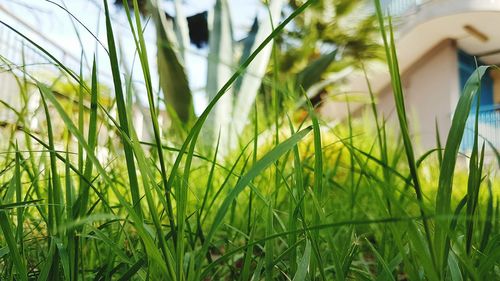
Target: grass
<point x="297" y="201"/>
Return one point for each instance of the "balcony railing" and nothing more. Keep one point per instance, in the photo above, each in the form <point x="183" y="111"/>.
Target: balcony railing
<point x="402" y="7"/>
<point x="398" y="7"/>
<point x="489" y="128"/>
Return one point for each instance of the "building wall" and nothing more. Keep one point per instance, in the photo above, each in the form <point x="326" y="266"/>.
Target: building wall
<point x="495" y="74"/>
<point x="431" y="88"/>
<point x="9" y="94"/>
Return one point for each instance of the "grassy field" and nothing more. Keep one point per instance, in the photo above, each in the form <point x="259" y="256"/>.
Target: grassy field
<point x="84" y="198"/>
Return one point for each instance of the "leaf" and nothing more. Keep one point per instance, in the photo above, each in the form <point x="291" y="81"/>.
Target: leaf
<point x="247" y="44"/>
<point x="488" y="220"/>
<point x="399" y="100"/>
<point x="312" y="72"/>
<point x="54" y="190"/>
<point x="258" y="270"/>
<point x="317" y="189"/>
<point x="81" y="203"/>
<point x="173" y="78"/>
<point x="387" y="271"/>
<point x="148" y="242"/>
<point x="143" y="57"/>
<point x="250" y="83"/>
<point x="220" y="60"/>
<point x="8" y="236"/>
<point x="455" y="273"/>
<point x="256" y="170"/>
<point x="303" y="264"/>
<point x="181" y="29"/>
<point x="122" y="113"/>
<point x="190" y="142"/>
<point x="443" y="197"/>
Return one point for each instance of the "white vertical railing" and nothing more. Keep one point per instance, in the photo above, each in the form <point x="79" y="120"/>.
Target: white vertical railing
<point x="402" y="7"/>
<point x="489" y="128"/>
<point x="18" y="55"/>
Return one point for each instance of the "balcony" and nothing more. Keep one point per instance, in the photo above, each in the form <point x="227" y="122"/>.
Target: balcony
<point x="489" y="128"/>
<point x="424" y="23"/>
<point x="437" y="8"/>
<point x="402" y="7"/>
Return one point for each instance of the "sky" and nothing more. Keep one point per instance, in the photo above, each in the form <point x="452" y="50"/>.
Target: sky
<point x="45" y="22"/>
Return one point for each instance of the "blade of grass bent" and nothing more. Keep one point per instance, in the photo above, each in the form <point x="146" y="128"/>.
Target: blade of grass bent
<point x="473" y="183"/>
<point x="474" y="180"/>
<point x="445" y="184"/>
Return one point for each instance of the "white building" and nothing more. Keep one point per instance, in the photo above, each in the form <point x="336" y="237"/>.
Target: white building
<point x="436" y="42"/>
<point x="18" y="55"/>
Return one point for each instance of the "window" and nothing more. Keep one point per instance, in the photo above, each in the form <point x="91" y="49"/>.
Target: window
<point x="489" y="113"/>
<point x="467" y="65"/>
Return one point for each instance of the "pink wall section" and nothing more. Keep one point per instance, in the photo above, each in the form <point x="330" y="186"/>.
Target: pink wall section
<point x="431" y="90"/>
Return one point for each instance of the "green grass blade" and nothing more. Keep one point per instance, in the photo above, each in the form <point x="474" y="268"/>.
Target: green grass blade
<point x="15" y="255"/>
<point x="19" y="200"/>
<point x="312" y="73"/>
<point x="488" y="224"/>
<point x="269" y="247"/>
<point x="302" y="269"/>
<point x="439" y="146"/>
<point x="337" y="224"/>
<point x="258" y="270"/>
<point x="296" y="209"/>
<point x="387" y="272"/>
<point x="149" y="244"/>
<point x="473" y="185"/>
<point x="445" y="183"/>
<point x="260" y="166"/>
<point x="397" y="89"/>
<point x="317" y="190"/>
<point x="44" y="51"/>
<point x="143" y="56"/>
<point x="82" y="202"/>
<point x="55" y="199"/>
<point x="173" y="78"/>
<point x="122" y="113"/>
